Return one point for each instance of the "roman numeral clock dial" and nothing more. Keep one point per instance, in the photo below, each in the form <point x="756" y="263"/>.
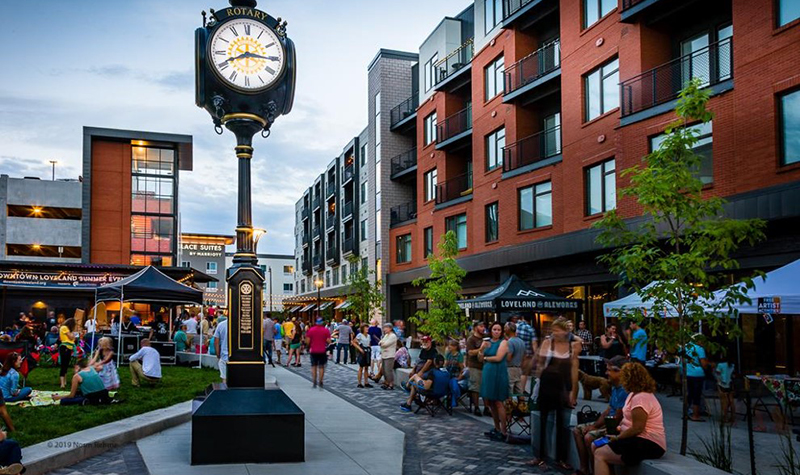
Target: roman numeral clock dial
<point x="247" y="55"/>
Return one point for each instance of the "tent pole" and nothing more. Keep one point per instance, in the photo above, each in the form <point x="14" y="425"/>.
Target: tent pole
<point x="119" y="336"/>
<point x="91" y="345"/>
<point x="200" y="348"/>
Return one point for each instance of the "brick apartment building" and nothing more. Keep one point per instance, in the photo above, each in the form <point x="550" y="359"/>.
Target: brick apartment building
<point x="529" y="110"/>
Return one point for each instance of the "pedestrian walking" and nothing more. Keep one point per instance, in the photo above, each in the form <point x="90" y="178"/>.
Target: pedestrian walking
<point x="269" y="338"/>
<point x="638" y="339"/>
<point x="474" y="343"/>
<point x="527" y="334"/>
<point x="277" y="340"/>
<point x="362" y="346"/>
<point x="375" y="345"/>
<point x="317" y="339"/>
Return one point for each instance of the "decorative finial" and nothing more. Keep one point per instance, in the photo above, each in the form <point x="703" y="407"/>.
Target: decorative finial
<point x="243" y="3"/>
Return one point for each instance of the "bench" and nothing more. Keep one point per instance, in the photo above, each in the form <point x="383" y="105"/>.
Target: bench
<point x="671" y="464"/>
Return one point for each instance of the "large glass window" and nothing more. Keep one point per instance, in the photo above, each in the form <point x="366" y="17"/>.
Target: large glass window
<point x="404" y="248"/>
<point x="788" y="11"/>
<point x="790" y="127"/>
<point x="536" y="206"/>
<point x="364" y="230"/>
<point x="377" y="126"/>
<point x="364" y="188"/>
<point x="494" y="78"/>
<point x="153" y="194"/>
<point x="153" y="161"/>
<point x="429" y="188"/>
<point x="429" y="130"/>
<point x="492" y="223"/>
<point x="492" y="14"/>
<point x="494" y="148"/>
<point x="458" y="224"/>
<point x="594" y="10"/>
<point x="211" y="267"/>
<point x="429" y="70"/>
<point x="601" y="188"/>
<point x="428" y="241"/>
<point x="601" y="89"/>
<point x="703" y="148"/>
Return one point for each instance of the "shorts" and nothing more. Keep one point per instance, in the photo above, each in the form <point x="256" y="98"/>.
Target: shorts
<point x="278" y="345"/>
<point x="475" y="376"/>
<point x="514" y="380"/>
<point x="319" y="359"/>
<point x="363" y="359"/>
<point x="635" y="449"/>
<point x="527" y="365"/>
<point x="724" y="390"/>
<point x="587" y="429"/>
<point x="294" y="346"/>
<point x="376" y="353"/>
<point x="222" y="364"/>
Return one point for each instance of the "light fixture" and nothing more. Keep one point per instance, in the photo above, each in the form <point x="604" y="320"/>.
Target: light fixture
<point x="36" y="247"/>
<point x="319" y="283"/>
<point x="257" y="233"/>
<point x="37" y="210"/>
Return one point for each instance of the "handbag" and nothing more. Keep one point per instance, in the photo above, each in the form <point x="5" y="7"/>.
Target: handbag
<point x="587" y="415"/>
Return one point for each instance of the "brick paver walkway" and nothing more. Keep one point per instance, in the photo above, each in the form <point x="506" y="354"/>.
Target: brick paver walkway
<point x="446" y="445"/>
<point x="124" y="460"/>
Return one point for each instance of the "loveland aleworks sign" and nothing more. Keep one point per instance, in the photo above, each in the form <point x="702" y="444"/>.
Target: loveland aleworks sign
<point x="56" y="279"/>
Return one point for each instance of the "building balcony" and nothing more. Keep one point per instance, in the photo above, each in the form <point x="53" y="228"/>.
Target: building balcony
<point x="455" y="130"/>
<point x="454" y="190"/>
<point x="316" y="232"/>
<point x="331" y="253"/>
<point x="402" y="116"/>
<point x="535" y="151"/>
<point x="403" y="213"/>
<point x="315" y="202"/>
<point x="535" y="75"/>
<point x="305" y="266"/>
<point x="348" y="173"/>
<point x="331" y="189"/>
<point x="635" y="10"/>
<point x="349" y="246"/>
<point x="404" y="164"/>
<point x="305" y="238"/>
<point x="347" y="211"/>
<point x="523" y="13"/>
<point x="316" y="262"/>
<point x="453" y="71"/>
<point x="655" y="91"/>
<point x="330" y="221"/>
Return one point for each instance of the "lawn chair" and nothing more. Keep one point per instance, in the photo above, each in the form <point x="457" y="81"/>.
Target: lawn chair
<point x="518" y="415"/>
<point x="21" y="347"/>
<point x="433" y="403"/>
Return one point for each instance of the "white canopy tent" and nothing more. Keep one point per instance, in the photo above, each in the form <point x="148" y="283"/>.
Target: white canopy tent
<point x="634" y="301"/>
<point x="780" y="286"/>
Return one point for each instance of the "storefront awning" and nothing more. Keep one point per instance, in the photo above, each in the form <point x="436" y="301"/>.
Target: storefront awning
<point x="343" y="306"/>
<point x="325" y="305"/>
<point x="294" y="309"/>
<point x="307" y="308"/>
<point x="516" y="294"/>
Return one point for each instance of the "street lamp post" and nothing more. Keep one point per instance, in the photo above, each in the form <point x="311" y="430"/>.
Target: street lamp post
<point x="319" y="283"/>
<point x="53" y="162"/>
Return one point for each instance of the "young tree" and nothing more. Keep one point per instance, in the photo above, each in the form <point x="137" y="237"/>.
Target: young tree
<point x="682" y="245"/>
<point x="444" y="319"/>
<point x="365" y="296"/>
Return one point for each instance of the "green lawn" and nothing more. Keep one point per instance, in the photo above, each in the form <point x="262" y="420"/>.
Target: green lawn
<point x="37" y="424"/>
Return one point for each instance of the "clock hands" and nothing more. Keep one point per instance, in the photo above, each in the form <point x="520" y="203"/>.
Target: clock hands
<point x="248" y="54"/>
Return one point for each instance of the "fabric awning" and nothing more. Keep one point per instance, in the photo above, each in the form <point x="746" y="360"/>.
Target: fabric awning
<point x="343" y="306"/>
<point x="307" y="308"/>
<point x="516" y="294"/>
<point x="295" y="308"/>
<point x="149" y="285"/>
<point x="325" y="305"/>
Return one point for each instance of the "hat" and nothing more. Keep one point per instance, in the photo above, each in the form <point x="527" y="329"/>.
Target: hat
<point x="320" y="321"/>
<point x="617" y="362"/>
<point x="344" y="321"/>
<point x="426" y="339"/>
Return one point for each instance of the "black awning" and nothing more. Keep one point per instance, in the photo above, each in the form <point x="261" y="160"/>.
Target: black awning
<point x="149" y="285"/>
<point x="516" y="294"/>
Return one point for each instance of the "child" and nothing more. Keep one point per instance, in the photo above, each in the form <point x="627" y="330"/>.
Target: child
<point x="103" y="362"/>
<point x="723" y="373"/>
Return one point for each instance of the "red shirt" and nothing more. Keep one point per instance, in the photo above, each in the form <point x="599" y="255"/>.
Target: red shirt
<point x="318" y="337"/>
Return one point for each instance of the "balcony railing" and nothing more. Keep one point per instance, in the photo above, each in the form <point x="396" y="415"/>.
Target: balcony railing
<point x="305" y="265"/>
<point x="511" y="7"/>
<point x="315" y="202"/>
<point x="712" y="65"/>
<point x="404" y="161"/>
<point x="626" y="4"/>
<point x="532" y="149"/>
<point x="331" y="252"/>
<point x="305" y="237"/>
<point x="404" y="110"/>
<point x="315" y="232"/>
<point x="349" y="171"/>
<point x="454" y="61"/>
<point x="330" y="221"/>
<point x="454" y="188"/>
<point x="455" y="124"/>
<point x="402" y="213"/>
<point x="331" y="187"/>
<point x="532" y="67"/>
<point x="316" y="261"/>
<point x="347" y="210"/>
<point x="348" y="245"/>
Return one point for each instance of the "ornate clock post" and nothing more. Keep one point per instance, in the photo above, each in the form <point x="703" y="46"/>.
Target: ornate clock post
<point x="245" y="79"/>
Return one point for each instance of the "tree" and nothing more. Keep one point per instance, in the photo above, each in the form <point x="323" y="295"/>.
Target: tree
<point x="682" y="245"/>
<point x="365" y="297"/>
<point x="443" y="319"/>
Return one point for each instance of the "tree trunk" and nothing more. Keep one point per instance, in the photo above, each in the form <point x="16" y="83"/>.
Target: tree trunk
<point x="684" y="388"/>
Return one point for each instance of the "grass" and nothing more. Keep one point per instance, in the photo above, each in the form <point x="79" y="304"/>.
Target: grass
<point x="38" y="424"/>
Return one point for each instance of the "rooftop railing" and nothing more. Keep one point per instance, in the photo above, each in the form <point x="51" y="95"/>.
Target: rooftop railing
<point x="454" y="61"/>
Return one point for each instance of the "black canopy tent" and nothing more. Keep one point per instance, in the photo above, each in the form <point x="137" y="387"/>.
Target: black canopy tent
<point x="516" y="295"/>
<point x="149" y="285"/>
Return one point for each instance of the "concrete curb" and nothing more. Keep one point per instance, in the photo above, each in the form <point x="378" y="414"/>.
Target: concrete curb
<point x="76" y="447"/>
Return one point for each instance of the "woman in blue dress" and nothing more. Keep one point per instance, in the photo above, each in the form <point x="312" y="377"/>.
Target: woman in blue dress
<point x="494" y="382"/>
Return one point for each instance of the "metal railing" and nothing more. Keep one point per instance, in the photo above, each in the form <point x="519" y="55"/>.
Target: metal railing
<point x="454" y="62"/>
<point x="330" y="221"/>
<point x="349" y="171"/>
<point x="454" y="188"/>
<point x="532" y="149"/>
<point x="712" y="65"/>
<point x="511" y="7"/>
<point x="348" y="245"/>
<point x="331" y="252"/>
<point x="457" y="123"/>
<point x="315" y="232"/>
<point x="316" y="261"/>
<point x="306" y="238"/>
<point x="626" y="4"/>
<point x="532" y="67"/>
<point x="331" y="187"/>
<point x="347" y="209"/>
<point x="405" y="109"/>
<point x="402" y="213"/>
<point x="404" y="161"/>
<point x="315" y="202"/>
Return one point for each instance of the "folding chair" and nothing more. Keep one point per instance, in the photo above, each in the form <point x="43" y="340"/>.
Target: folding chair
<point x="433" y="403"/>
<point x="518" y="414"/>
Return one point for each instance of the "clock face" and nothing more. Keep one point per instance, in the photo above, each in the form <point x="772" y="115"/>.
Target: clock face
<point x="246" y="54"/>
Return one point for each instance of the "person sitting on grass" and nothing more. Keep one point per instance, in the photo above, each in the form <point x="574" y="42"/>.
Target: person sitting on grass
<point x="87" y="387"/>
<point x="10" y="455"/>
<point x="9" y="380"/>
<point x="434" y="383"/>
<point x="145" y="364"/>
<point x="180" y="339"/>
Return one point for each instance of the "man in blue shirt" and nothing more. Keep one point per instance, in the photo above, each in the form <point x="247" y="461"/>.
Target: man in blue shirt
<point x="434" y="383"/>
<point x="638" y="338"/>
<point x="586" y="434"/>
<point x="695" y="377"/>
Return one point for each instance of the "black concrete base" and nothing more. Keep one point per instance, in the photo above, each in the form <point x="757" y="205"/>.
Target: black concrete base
<point x="230" y="426"/>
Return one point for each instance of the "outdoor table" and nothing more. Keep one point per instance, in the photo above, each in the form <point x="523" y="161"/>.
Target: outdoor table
<point x="591" y="361"/>
<point x="785" y="389"/>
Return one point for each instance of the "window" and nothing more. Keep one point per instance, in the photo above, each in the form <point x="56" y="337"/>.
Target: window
<point x="703" y="148"/>
<point x="429" y="71"/>
<point x="594" y="10"/>
<point x="153" y="216"/>
<point x="185" y="264"/>
<point x="492" y="14"/>
<point x="429" y="131"/>
<point x="327" y="278"/>
<point x="428" y="241"/>
<point x="288" y="287"/>
<point x="430" y="185"/>
<point x="788" y="11"/>
<point x="377" y="127"/>
<point x="494" y="148"/>
<point x="212" y="286"/>
<point x="344" y="273"/>
<point x="378" y="226"/>
<point x="288" y="269"/>
<point x="211" y="267"/>
<point x="336" y="277"/>
<point x="364" y="265"/>
<point x="536" y="206"/>
<point x="364" y="230"/>
<point x="492" y="224"/>
<point x="364" y="189"/>
<point x="458" y="224"/>
<point x="601" y="188"/>
<point x="404" y="248"/>
<point x="263" y="268"/>
<point x="601" y="88"/>
<point x="790" y="127"/>
<point x="494" y="78"/>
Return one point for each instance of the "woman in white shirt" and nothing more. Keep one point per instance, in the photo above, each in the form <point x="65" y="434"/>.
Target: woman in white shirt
<point x="361" y="344"/>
